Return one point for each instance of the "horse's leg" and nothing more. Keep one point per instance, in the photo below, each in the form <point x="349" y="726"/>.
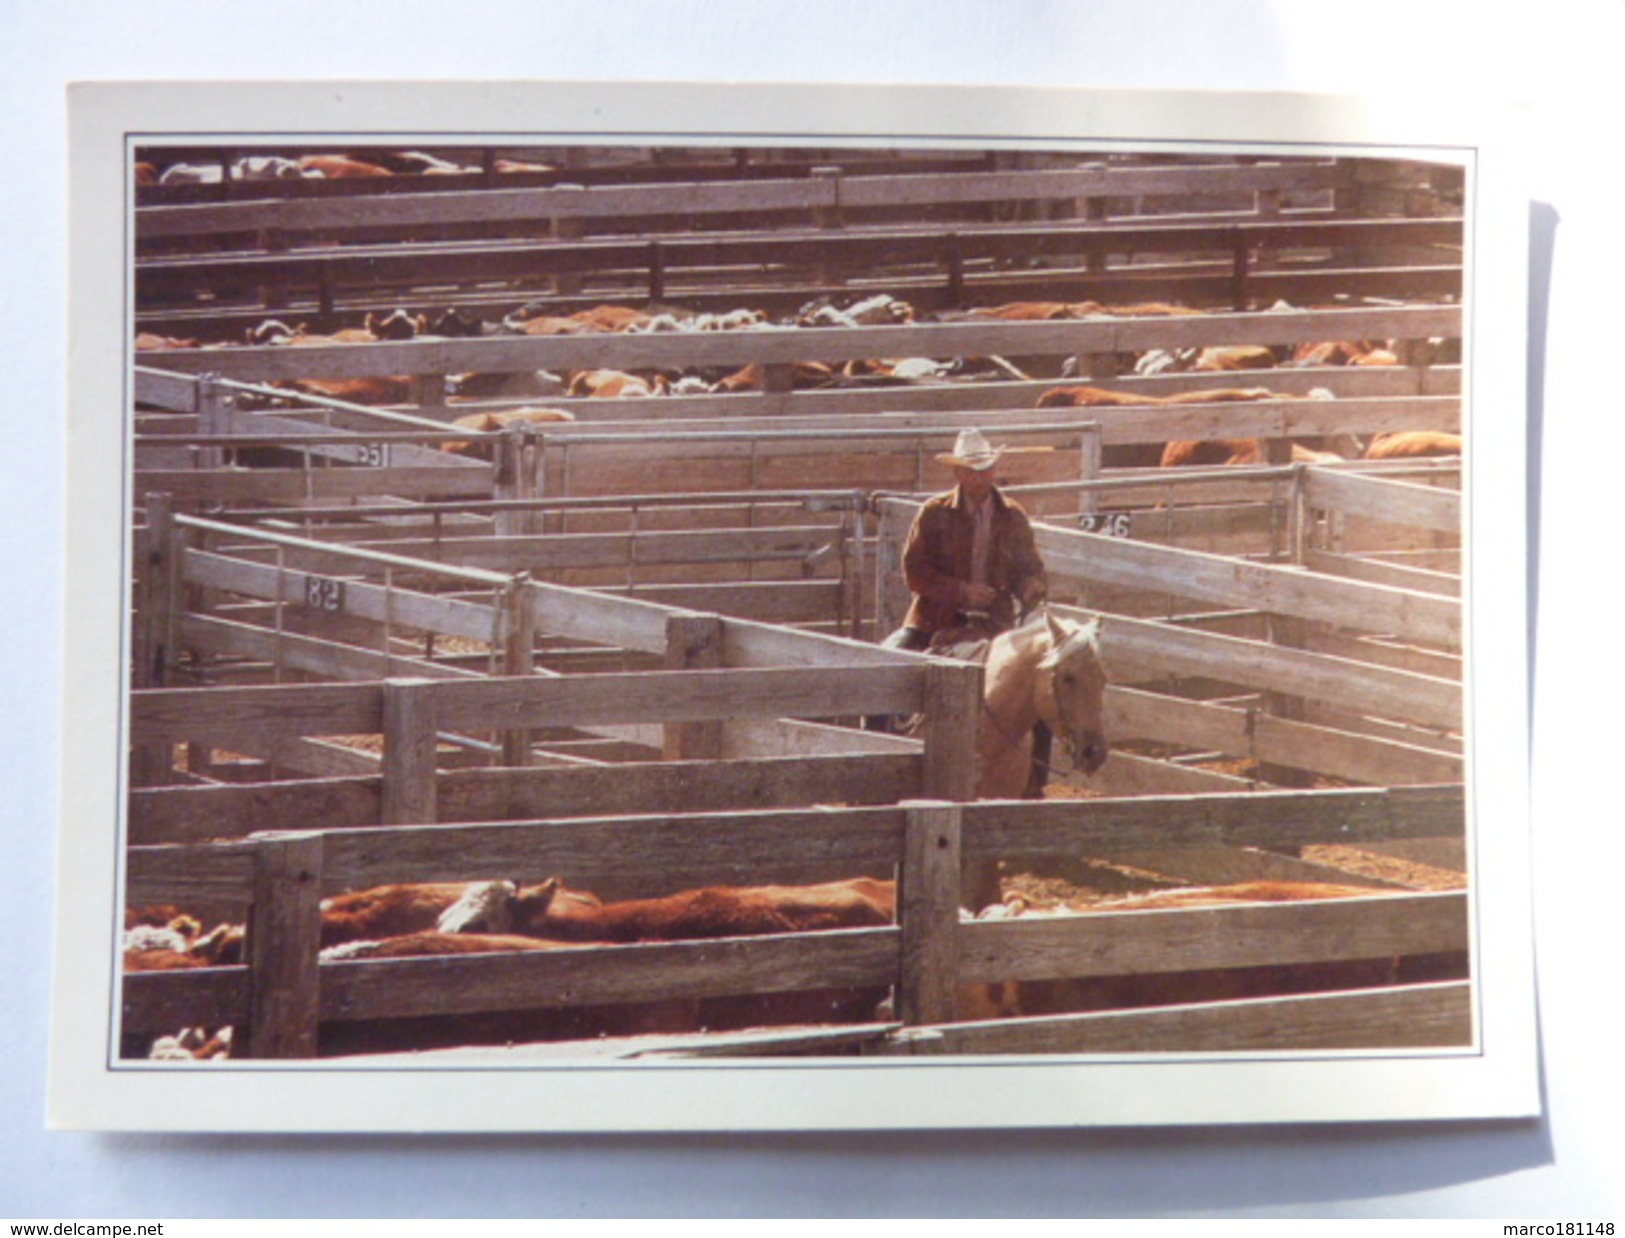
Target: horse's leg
<point x="1038" y="776"/>
<point x="979" y="885"/>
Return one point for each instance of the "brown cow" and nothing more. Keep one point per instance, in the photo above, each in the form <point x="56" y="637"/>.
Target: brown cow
<point x="147" y="341"/>
<point x="803" y="375"/>
<point x="1233" y="358"/>
<point x="554" y="911"/>
<point x="487" y="423"/>
<point x="1145" y="455"/>
<point x="1343" y="352"/>
<point x="395" y="910"/>
<point x="341" y="167"/>
<point x="432" y="943"/>
<point x="1413" y="444"/>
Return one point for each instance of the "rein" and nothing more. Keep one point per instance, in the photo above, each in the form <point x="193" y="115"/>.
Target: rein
<point x="1014" y="741"/>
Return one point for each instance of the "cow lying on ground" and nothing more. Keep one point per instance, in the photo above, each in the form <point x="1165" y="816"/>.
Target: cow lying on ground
<point x="488" y="423"/>
<point x="555" y="911"/>
<point x="1413" y="444"/>
<point x="1152" y="456"/>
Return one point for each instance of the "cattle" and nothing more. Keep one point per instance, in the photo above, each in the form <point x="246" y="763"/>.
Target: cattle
<point x="1016" y="311"/>
<point x="682" y="322"/>
<point x="555" y="911"/>
<point x="611" y="318"/>
<point x="534" y="318"/>
<point x="1227" y="451"/>
<point x="432" y="943"/>
<point x="525" y="385"/>
<point x="493" y="422"/>
<point x="1413" y="444"/>
<point x="391" y="911"/>
<point x="147" y="341"/>
<point x="906" y="371"/>
<point x="178" y="943"/>
<point x="1089" y="397"/>
<point x="1142" y="455"/>
<point x="271" y="332"/>
<point x="396" y="389"/>
<point x="389" y="389"/>
<point x="1233" y="358"/>
<point x="613" y="384"/>
<point x="548" y="324"/>
<point x="453" y="323"/>
<point x="501" y="917"/>
<point x="1049" y="311"/>
<point x="396" y="325"/>
<point x="344" y="335"/>
<point x="508" y="167"/>
<point x="1342" y="352"/>
<point x="1318" y="449"/>
<point x="266" y="168"/>
<point x="804" y="375"/>
<point x="192" y="1044"/>
<point x="878" y="310"/>
<point x="341" y="167"/>
<point x="192" y="174"/>
<point x="418" y="163"/>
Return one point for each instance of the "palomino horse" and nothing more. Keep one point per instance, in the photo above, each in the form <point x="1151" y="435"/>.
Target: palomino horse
<point x="1048" y="669"/>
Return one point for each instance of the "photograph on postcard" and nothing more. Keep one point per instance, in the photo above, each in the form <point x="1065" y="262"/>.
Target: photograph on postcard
<point x="839" y="605"/>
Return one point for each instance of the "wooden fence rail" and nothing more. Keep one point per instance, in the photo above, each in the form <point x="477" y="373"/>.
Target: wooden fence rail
<point x="824" y="193"/>
<point x="835" y="344"/>
<point x="926" y="958"/>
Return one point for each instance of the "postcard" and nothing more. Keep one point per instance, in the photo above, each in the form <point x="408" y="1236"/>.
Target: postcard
<point x="650" y="607"/>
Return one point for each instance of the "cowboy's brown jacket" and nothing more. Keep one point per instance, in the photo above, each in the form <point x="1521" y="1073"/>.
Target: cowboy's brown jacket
<point x="937" y="561"/>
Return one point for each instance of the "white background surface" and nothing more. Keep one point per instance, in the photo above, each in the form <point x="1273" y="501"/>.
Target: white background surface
<point x="1567" y="67"/>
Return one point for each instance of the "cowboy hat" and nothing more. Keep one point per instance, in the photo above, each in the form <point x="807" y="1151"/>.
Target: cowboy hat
<point x="972" y="451"/>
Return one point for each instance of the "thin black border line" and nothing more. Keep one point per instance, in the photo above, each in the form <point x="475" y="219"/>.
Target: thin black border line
<point x="245" y="1068"/>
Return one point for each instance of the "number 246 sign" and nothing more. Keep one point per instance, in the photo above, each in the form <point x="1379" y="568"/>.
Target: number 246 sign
<point x="1112" y="524"/>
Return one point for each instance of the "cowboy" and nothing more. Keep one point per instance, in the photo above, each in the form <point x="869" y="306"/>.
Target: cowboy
<point x="970" y="561"/>
<point x="972" y="567"/>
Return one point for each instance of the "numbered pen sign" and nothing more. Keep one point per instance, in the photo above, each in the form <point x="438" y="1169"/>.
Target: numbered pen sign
<point x="372" y="455"/>
<point x="324" y="593"/>
<point x="1112" y="524"/>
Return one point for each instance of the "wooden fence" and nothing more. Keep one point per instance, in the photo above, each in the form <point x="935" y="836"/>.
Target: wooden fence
<point x="283" y="995"/>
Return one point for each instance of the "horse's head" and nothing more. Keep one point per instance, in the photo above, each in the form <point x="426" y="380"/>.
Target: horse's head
<point x="1077" y="680"/>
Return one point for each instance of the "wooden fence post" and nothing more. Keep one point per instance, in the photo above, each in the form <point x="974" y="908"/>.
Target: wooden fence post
<point x="569" y="226"/>
<point x="507" y="482"/>
<point x="518" y="655"/>
<point x="891" y="532"/>
<point x="153" y="634"/>
<point x="953" y="706"/>
<point x="693" y="642"/>
<point x="928" y="913"/>
<point x="155" y="596"/>
<point x="284" y="945"/>
<point x="953" y="703"/>
<point x="213" y="417"/>
<point x="828" y="218"/>
<point x="409" y="753"/>
<point x="1089" y="462"/>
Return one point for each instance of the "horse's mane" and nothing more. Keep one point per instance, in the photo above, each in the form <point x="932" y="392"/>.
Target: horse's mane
<point x="1078" y="637"/>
